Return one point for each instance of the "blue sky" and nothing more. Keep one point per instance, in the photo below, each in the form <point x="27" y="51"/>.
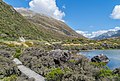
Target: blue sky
<point x="83" y="15"/>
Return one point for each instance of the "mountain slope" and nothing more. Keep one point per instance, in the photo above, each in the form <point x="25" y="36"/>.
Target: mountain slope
<point x="117" y="34"/>
<point x="13" y="25"/>
<point x="109" y="34"/>
<point x="48" y="23"/>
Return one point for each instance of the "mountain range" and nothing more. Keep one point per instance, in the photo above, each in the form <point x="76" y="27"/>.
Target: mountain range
<point x="109" y="34"/>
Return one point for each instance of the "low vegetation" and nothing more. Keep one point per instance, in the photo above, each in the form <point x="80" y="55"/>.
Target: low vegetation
<point x="10" y="78"/>
<point x="18" y="52"/>
<point x="55" y="74"/>
<point x="87" y="44"/>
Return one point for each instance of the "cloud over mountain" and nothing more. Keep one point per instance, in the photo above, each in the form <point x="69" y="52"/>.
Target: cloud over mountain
<point x="96" y="33"/>
<point x="47" y="7"/>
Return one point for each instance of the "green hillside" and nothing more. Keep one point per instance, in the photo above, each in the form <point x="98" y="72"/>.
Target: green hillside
<point x="13" y="25"/>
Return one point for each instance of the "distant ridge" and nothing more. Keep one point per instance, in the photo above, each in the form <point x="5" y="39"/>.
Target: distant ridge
<point x="109" y="34"/>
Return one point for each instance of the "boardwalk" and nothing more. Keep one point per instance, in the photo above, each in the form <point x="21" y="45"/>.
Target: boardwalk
<point x="28" y="72"/>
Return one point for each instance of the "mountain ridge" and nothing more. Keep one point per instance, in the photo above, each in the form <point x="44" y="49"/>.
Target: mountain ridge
<point x="47" y="22"/>
<point x="13" y="25"/>
<point x="109" y="34"/>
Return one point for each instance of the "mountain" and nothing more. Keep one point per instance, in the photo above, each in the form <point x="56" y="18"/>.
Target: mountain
<point x="48" y="23"/>
<point x="117" y="34"/>
<point x="13" y="25"/>
<point x="109" y="34"/>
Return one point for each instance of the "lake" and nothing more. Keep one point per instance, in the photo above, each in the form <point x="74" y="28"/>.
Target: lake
<point x="113" y="55"/>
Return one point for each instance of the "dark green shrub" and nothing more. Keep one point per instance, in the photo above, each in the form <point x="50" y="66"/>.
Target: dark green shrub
<point x="72" y="61"/>
<point x="18" y="52"/>
<point x="99" y="65"/>
<point x="55" y="75"/>
<point x="106" y="72"/>
<point x="10" y="78"/>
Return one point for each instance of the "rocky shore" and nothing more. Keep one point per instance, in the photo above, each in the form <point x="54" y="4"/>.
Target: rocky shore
<point x="55" y="65"/>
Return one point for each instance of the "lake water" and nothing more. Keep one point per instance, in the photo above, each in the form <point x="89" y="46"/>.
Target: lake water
<point x="113" y="55"/>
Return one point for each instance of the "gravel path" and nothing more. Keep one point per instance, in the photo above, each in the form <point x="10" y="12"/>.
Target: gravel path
<point x="28" y="72"/>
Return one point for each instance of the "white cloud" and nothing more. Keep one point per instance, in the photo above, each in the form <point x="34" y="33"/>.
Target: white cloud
<point x="115" y="29"/>
<point x="84" y="33"/>
<point x="116" y="12"/>
<point x="96" y="33"/>
<point x="47" y="7"/>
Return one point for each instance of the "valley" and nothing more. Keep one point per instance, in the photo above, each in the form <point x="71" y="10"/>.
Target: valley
<point x="36" y="47"/>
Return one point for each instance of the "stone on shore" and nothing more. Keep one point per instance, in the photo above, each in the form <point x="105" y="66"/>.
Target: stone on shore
<point x="100" y="58"/>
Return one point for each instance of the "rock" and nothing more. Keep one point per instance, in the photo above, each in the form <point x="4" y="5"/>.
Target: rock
<point x="5" y="54"/>
<point x="100" y="58"/>
<point x="17" y="61"/>
<point x="60" y="55"/>
<point x="116" y="71"/>
<point x="3" y="35"/>
<point x="31" y="79"/>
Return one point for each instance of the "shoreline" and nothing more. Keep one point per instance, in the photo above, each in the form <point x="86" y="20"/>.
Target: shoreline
<point x="111" y="55"/>
<point x="99" y="50"/>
